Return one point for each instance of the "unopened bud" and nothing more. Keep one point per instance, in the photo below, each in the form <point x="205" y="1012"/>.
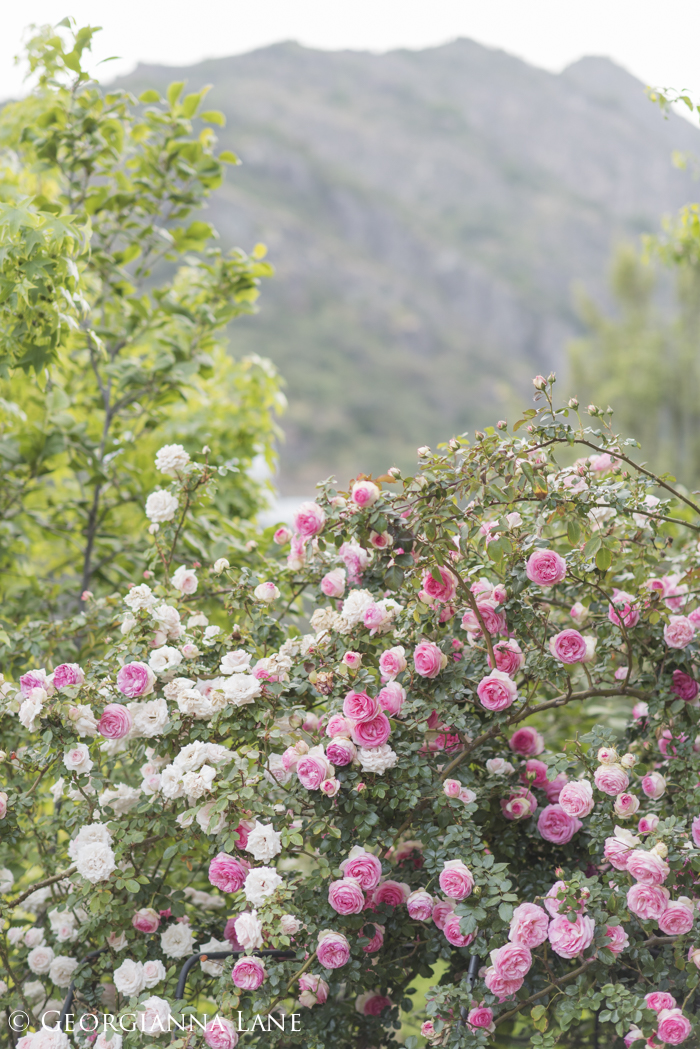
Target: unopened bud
<point x="539" y="382"/>
<point x="424" y="450"/>
<point x="502" y="424"/>
<point x="573" y="402"/>
<point x="454" y="444"/>
<point x="394" y="471"/>
<point x="607" y="756"/>
<point x="220" y="565"/>
<point x="592" y="410"/>
<point x="661" y="850"/>
<point x="552" y="377"/>
<point x="628" y="761"/>
<point x="479" y="435"/>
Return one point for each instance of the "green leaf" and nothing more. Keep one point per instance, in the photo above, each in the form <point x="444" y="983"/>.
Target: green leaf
<point x="592" y="546"/>
<point x="132" y="886"/>
<point x="213" y="116"/>
<point x="227" y="157"/>
<point x="149" y="96"/>
<point x="573" y="530"/>
<point x="174" y="91"/>
<point x="603" y="559"/>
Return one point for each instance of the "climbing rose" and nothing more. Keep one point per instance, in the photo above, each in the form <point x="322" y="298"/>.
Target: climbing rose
<point x="673" y="1027"/>
<point x="567" y="938"/>
<point x="248" y="974"/>
<point x="545" y="567"/>
<point x="529" y="925"/>
<point x="428" y="659"/>
<point x="576" y="798"/>
<point x="497" y="691"/>
<point x="557" y="826"/>
<point x="333" y="950"/>
<point x="526" y="741"/>
<point x="135" y="679"/>
<point x="456" y="880"/>
<point x="679" y="632"/>
<point x="568" y="646"/>
<point x="309" y="520"/>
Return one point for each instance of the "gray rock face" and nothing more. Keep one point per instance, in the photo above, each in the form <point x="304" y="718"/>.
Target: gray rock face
<point x="428" y="213"/>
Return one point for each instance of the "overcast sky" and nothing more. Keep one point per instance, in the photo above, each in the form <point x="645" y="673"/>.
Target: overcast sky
<point x="658" y="42"/>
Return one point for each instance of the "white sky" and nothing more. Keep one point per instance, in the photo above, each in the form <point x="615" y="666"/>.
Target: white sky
<point x="658" y="42"/>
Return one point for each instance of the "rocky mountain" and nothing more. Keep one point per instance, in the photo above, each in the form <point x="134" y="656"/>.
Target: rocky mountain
<point x="428" y="213"/>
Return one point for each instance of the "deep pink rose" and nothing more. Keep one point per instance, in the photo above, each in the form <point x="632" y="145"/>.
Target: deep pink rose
<point x="363" y="867"/>
<point x="545" y="567"/>
<point x="420" y="905"/>
<point x="568" y="646"/>
<point x="376" y="939"/>
<point x="677" y="919"/>
<point x="116" y="721"/>
<point x="648" y="902"/>
<point x="392" y="662"/>
<point x="68" y="674"/>
<point x="219" y="1033"/>
<point x="392" y="893"/>
<point x="391" y="698"/>
<point x="623" y="611"/>
<point x="309" y="520"/>
<point x="497" y="691"/>
<point x="695" y="831"/>
<point x="509" y="657"/>
<point x="135" y="679"/>
<point x="555" y="786"/>
<point x="358" y="706"/>
<point x="529" y="925"/>
<point x="535" y="773"/>
<point x="453" y="933"/>
<point x="443" y="591"/>
<point x="373" y="733"/>
<point x="526" y="741"/>
<point x="654" y="785"/>
<point x="312" y="770"/>
<point x="346" y="896"/>
<point x="673" y="1027"/>
<point x="34" y="679"/>
<point x="441" y="912"/>
<point x="499" y="985"/>
<point x="228" y="873"/>
<point x="521" y="804"/>
<point x="658" y="1000"/>
<point x="567" y="938"/>
<point x="678" y="632"/>
<point x="684" y="685"/>
<point x="619" y="940"/>
<point x="512" y="961"/>
<point x="230" y="933"/>
<point x="373" y="1004"/>
<point x="146" y="920"/>
<point x="576" y="798"/>
<point x="248" y="974"/>
<point x="365" y="493"/>
<point x="481" y="1017"/>
<point x="556" y="826"/>
<point x="611" y="779"/>
<point x="341" y="751"/>
<point x="456" y="880"/>
<point x="333" y="950"/>
<point x="428" y="659"/>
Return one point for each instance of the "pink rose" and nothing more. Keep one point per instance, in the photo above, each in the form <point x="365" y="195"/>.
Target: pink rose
<point x="556" y="826"/>
<point x="695" y="831"/>
<point x="535" y="774"/>
<point x="452" y="787"/>
<point x="453" y="933"/>
<point x="68" y="674"/>
<point x="392" y="662"/>
<point x="248" y="974"/>
<point x="296" y="558"/>
<point x="341" y="751"/>
<point x="376" y="940"/>
<point x="552" y="901"/>
<point x="135" y="679"/>
<point x="314" y="990"/>
<point x="441" y="912"/>
<point x="526" y="741"/>
<point x="364" y="867"/>
<point x="512" y="961"/>
<point x="673" y="1027"/>
<point x="146" y="920"/>
<point x="554" y="787"/>
<point x="647" y="867"/>
<point x="576" y="798"/>
<point x="428" y="659"/>
<point x="654" y="785"/>
<point x="373" y="733"/>
<point x="333" y="950"/>
<point x="568" y="938"/>
<point x="230" y="933"/>
<point x="619" y="940"/>
<point x="622" y="611"/>
<point x="499" y="985"/>
<point x="116" y="721"/>
<point x="330" y="787"/>
<point x="568" y="646"/>
<point x="333" y="583"/>
<point x="665" y="743"/>
<point x="358" y="706"/>
<point x="338" y="726"/>
<point x="521" y="804"/>
<point x="678" y="632"/>
<point x="309" y="520"/>
<point x="392" y="893"/>
<point x="391" y="698"/>
<point x="626" y="805"/>
<point x="456" y="880"/>
<point x="658" y="1000"/>
<point x="640" y="711"/>
<point x="219" y="1033"/>
<point x="611" y="779"/>
<point x="346" y="896"/>
<point x="529" y="925"/>
<point x="352" y="660"/>
<point x="420" y="905"/>
<point x="684" y="685"/>
<point x="364" y="494"/>
<point x="497" y="691"/>
<point x="34" y="679"/>
<point x="677" y="919"/>
<point x="648" y="902"/>
<point x="312" y="770"/>
<point x="228" y="873"/>
<point x="617" y="851"/>
<point x="648" y="824"/>
<point x="443" y="591"/>
<point x="372" y="1004"/>
<point x="509" y="657"/>
<point x="282" y="536"/>
<point x="481" y="1017"/>
<point x="545" y="567"/>
<point x="495" y="622"/>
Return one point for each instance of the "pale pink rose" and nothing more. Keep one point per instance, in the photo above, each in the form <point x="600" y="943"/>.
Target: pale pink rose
<point x="545" y="567"/>
<point x="453" y="933"/>
<point x="512" y="961"/>
<point x="381" y="540"/>
<point x="576" y="798"/>
<point x="427" y="1030"/>
<point x="648" y="902"/>
<point x="116" y="721"/>
<point x="185" y="580"/>
<point x="376" y="940"/>
<point x="219" y="1033"/>
<point x="364" y="494"/>
<point x="619" y="940"/>
<point x="499" y="985"/>
<point x="552" y="901"/>
<point x="658" y="1000"/>
<point x="228" y="873"/>
<point x="497" y="691"/>
<point x="578" y="612"/>
<point x="611" y="779"/>
<point x="481" y="1017"/>
<point x="135" y="679"/>
<point x="338" y="726"/>
<point x="309" y="520"/>
<point x="296" y="558"/>
<point x="622" y="610"/>
<point x="391" y="698"/>
<point x="364" y="867"/>
<point x="341" y="751"/>
<point x="521" y="804"/>
<point x="678" y="632"/>
<point x="312" y="769"/>
<point x="695" y="831"/>
<point x="441" y="912"/>
<point x="456" y="880"/>
<point x="654" y="785"/>
<point x="67" y="674"/>
<point x="392" y="662"/>
<point x="526" y="741"/>
<point x="291" y="755"/>
<point x="554" y="787"/>
<point x="626" y="805"/>
<point x="535" y="773"/>
<point x="282" y="535"/>
<point x="529" y="925"/>
<point x="420" y="905"/>
<point x="443" y="591"/>
<point x="509" y="657"/>
<point x="330" y="787"/>
<point x="146" y="920"/>
<point x="568" y="646"/>
<point x="358" y="706"/>
<point x="617" y="851"/>
<point x="632" y="1036"/>
<point x="346" y="896"/>
<point x="333" y="583"/>
<point x="556" y="826"/>
<point x="694" y="956"/>
<point x="352" y="660"/>
<point x="647" y="867"/>
<point x="684" y="686"/>
<point x="374" y="733"/>
<point x="314" y="990"/>
<point x="666" y="745"/>
<point x="248" y="974"/>
<point x="452" y="787"/>
<point x="648" y="824"/>
<point x="392" y="893"/>
<point x="677" y="919"/>
<point x="333" y="950"/>
<point x="673" y="1027"/>
<point x="428" y="659"/>
<point x="640" y="711"/>
<point x="495" y="622"/>
<point x="376" y="618"/>
<point x="567" y="938"/>
<point x="466" y="796"/>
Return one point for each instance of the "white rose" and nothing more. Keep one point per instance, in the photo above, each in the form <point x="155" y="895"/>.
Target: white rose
<point x="7" y="879"/>
<point x="198" y="619"/>
<point x="191" y="701"/>
<point x="117" y="941"/>
<point x="115" y="1041"/>
<point x="90" y="834"/>
<point x="34" y="937"/>
<point x="84" y="721"/>
<point x="128" y="623"/>
<point x="264" y="842"/>
<point x="77" y="759"/>
<point x="121" y="800"/>
<point x="171" y="459"/>
<point x="39" y="960"/>
<point x="289" y="925"/>
<point x="185" y="819"/>
<point x="62" y="969"/>
<point x="161" y="506"/>
<point x="193" y="756"/>
<point x="129" y="978"/>
<point x="260" y="883"/>
<point x="140" y="597"/>
<point x="34" y="991"/>
<point x="499" y="767"/>
<point x="203" y="899"/>
<point x="31" y="708"/>
<point x="95" y="862"/>
<point x="196" y="784"/>
<point x="355" y="606"/>
<point x="241" y="689"/>
<point x="56" y="791"/>
<point x="249" y="930"/>
<point x="377" y="759"/>
<point x="216" y="967"/>
<point x="171" y="782"/>
<point x="220" y="566"/>
<point x="15" y="935"/>
<point x="184" y="580"/>
<point x="153" y="973"/>
<point x="210" y="633"/>
<point x="266" y="592"/>
<point x="149" y="718"/>
<point x="3" y="987"/>
<point x="165" y="658"/>
<point x="168" y="619"/>
<point x="154" y="1016"/>
<point x="177" y="941"/>
<point x="218" y="755"/>
<point x="209" y="824"/>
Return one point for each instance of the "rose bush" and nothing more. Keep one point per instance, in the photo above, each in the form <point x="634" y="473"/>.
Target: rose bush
<point x="480" y="783"/>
